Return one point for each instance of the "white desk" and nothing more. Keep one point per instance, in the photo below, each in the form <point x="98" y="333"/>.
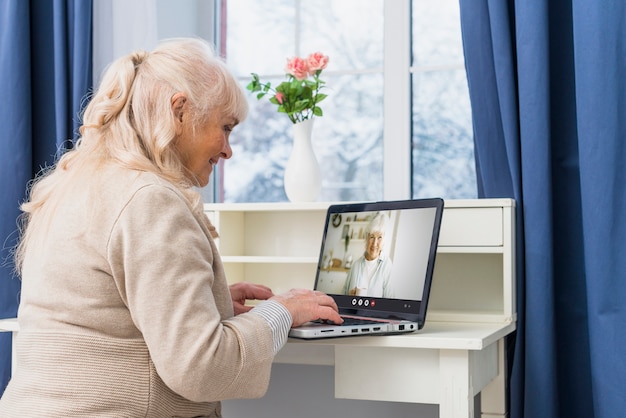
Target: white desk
<point x="444" y="363"/>
<point x="459" y="353"/>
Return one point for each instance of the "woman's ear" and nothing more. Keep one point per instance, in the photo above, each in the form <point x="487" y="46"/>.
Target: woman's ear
<point x="179" y="108"/>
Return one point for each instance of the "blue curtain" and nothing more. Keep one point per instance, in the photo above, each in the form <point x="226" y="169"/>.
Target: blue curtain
<point x="45" y="72"/>
<point x="548" y="93"/>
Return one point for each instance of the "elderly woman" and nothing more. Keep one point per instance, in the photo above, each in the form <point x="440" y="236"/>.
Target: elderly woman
<point x="125" y="310"/>
<point x="371" y="273"/>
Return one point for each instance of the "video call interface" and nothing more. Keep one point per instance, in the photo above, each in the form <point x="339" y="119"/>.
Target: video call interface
<point x="376" y="260"/>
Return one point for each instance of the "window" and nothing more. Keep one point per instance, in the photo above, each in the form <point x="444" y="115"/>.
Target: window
<point x="442" y="144"/>
<point x="361" y="151"/>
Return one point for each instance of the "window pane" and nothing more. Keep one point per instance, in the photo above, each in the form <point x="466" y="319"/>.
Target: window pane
<point x="442" y="149"/>
<point x="442" y="143"/>
<point x="259" y="35"/>
<point x="354" y="41"/>
<point x="348" y="138"/>
<point x="352" y="138"/>
<point x="436" y="33"/>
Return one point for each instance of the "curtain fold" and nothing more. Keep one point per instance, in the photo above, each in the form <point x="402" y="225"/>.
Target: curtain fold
<point x="16" y="126"/>
<point x="548" y="99"/>
<point x="600" y="62"/>
<point x="45" y="71"/>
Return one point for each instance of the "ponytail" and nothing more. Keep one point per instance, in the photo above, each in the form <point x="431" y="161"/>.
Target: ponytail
<point x="114" y="91"/>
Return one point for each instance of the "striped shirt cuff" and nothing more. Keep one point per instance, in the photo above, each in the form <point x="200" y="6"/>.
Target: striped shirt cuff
<point x="278" y="318"/>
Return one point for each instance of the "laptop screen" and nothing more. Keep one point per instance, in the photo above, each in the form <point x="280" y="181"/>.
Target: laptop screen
<point x="377" y="258"/>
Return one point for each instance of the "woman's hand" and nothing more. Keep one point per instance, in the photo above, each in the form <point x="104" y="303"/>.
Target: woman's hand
<point x="240" y="292"/>
<point x="308" y="305"/>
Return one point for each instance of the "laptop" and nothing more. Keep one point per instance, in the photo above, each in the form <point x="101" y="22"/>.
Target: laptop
<point x="376" y="261"/>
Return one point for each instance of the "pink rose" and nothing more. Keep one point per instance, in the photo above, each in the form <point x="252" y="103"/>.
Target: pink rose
<point x="279" y="97"/>
<point x="317" y="61"/>
<point x="297" y="67"/>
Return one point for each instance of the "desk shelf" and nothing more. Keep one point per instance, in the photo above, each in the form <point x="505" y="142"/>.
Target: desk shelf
<point x="277" y="244"/>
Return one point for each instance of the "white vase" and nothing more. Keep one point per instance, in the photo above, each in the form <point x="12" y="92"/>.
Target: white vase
<point x="303" y="179"/>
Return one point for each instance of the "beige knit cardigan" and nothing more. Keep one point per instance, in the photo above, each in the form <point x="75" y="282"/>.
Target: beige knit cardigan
<point x="125" y="311"/>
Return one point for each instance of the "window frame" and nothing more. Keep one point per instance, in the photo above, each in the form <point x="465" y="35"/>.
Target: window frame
<point x="397" y="101"/>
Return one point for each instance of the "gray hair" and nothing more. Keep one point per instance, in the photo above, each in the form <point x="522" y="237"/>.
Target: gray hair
<point x="377" y="224"/>
<point x="130" y="115"/>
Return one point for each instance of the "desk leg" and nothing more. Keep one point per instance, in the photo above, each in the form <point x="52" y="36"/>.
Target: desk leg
<point x="494" y="403"/>
<point x="457" y="399"/>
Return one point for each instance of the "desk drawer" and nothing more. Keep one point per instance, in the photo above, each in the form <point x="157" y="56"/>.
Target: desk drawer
<point x="475" y="227"/>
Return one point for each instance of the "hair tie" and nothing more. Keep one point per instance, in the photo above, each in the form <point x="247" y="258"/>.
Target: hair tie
<point x="138" y="57"/>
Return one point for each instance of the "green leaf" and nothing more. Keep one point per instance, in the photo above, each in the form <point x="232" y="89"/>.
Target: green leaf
<point x="320" y="97"/>
<point x="301" y="105"/>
